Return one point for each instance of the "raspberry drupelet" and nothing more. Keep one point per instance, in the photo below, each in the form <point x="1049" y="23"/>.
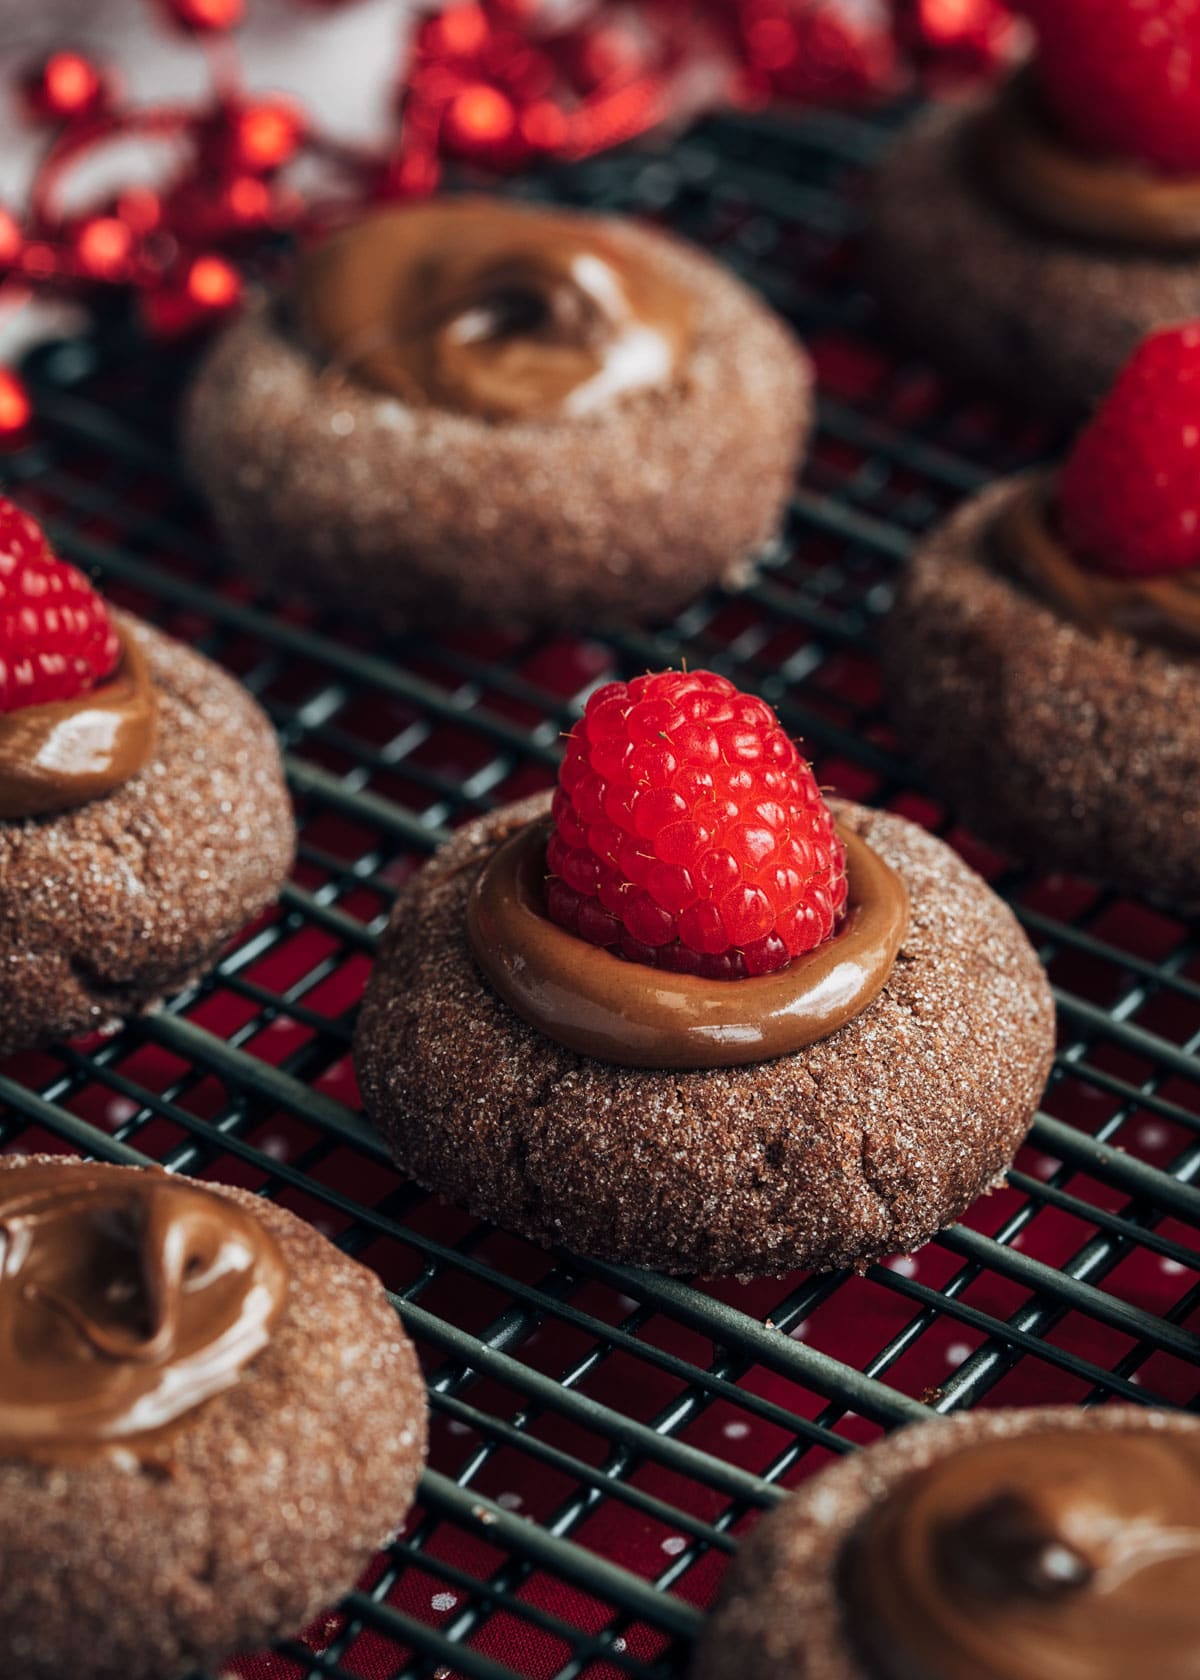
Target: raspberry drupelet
<point x="1129" y="493"/>
<point x="57" y="641"/>
<point x="689" y="834"/>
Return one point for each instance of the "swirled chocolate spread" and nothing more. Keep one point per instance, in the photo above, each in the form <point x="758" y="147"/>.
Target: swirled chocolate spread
<point x="1040" y="175"/>
<point x="126" y="1299"/>
<point x="491" y="309"/>
<point x="1040" y="1556"/>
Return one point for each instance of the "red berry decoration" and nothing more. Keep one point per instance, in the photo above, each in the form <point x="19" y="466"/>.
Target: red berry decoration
<point x="263" y="135"/>
<point x="205" y="17"/>
<point x="1129" y="493"/>
<point x="479" y="122"/>
<point x="207" y="288"/>
<point x="65" y="87"/>
<point x="16" y="410"/>
<point x="11" y="238"/>
<point x="689" y="834"/>
<point x="797" y="50"/>
<point x="103" y="247"/>
<point x="1122" y="77"/>
<point x="56" y="638"/>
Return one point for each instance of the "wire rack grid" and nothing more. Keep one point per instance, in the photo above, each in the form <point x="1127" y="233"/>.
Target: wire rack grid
<point x="602" y="1436"/>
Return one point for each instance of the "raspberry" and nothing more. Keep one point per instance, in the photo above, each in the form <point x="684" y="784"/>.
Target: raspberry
<point x="689" y="834"/>
<point x="56" y="639"/>
<point x="1122" y="77"/>
<point x="1129" y="493"/>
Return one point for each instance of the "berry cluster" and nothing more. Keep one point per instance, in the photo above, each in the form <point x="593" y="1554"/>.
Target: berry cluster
<point x="1129" y="492"/>
<point x="56" y="638"/>
<point x="689" y="834"/>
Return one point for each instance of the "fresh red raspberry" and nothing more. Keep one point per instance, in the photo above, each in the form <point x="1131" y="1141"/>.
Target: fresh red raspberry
<point x="1129" y="493"/>
<point x="1122" y="77"/>
<point x="689" y="834"/>
<point x="56" y="639"/>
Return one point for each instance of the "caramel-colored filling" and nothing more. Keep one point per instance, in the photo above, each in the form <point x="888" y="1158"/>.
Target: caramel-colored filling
<point x="1064" y="190"/>
<point x="1047" y="1556"/>
<point x="68" y="752"/>
<point x="632" y="1015"/>
<point x="1163" y="610"/>
<point x="491" y="309"/>
<point x="126" y="1299"/>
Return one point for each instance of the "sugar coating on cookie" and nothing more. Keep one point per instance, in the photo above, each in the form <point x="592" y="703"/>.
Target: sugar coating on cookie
<point x="785" y="1604"/>
<point x="864" y="1143"/>
<point x="258" y="1508"/>
<point x="1077" y="750"/>
<point x="109" y="905"/>
<point x="418" y="513"/>
<point x="1045" y="316"/>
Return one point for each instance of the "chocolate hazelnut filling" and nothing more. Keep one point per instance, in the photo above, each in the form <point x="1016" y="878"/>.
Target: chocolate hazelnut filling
<point x="65" y="753"/>
<point x="626" y="1013"/>
<point x="1065" y="1556"/>
<point x="1040" y="175"/>
<point x="491" y="309"/>
<point x="1162" y="610"/>
<point x="126" y="1299"/>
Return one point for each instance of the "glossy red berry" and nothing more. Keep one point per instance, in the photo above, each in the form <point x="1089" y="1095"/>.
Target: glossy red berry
<point x="66" y="87"/>
<point x="205" y="17"/>
<point x="56" y="638"/>
<point x="16" y="408"/>
<point x="263" y="135"/>
<point x="11" y="238"/>
<point x="689" y="833"/>
<point x="1129" y="492"/>
<point x="1122" y="77"/>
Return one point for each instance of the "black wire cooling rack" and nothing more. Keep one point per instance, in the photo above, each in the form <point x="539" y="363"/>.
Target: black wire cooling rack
<point x="640" y="1422"/>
